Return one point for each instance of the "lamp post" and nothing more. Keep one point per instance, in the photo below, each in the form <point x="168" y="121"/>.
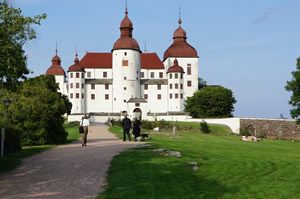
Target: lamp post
<point x="7" y="103"/>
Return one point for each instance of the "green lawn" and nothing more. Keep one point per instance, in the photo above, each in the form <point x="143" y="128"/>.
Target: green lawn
<point x="228" y="168"/>
<point x="13" y="160"/>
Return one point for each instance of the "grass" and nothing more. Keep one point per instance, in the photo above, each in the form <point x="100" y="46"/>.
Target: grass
<point x="13" y="160"/>
<point x="228" y="168"/>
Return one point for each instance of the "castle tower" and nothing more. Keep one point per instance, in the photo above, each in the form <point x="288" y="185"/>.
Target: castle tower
<point x="58" y="72"/>
<point x="187" y="57"/>
<point x="175" y="84"/>
<point x="126" y="67"/>
<point x="76" y="87"/>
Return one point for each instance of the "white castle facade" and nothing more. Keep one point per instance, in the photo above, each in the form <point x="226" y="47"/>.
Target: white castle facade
<point x="106" y="84"/>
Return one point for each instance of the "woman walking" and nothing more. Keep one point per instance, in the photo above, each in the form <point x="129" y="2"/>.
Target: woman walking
<point x="136" y="128"/>
<point x="85" y="123"/>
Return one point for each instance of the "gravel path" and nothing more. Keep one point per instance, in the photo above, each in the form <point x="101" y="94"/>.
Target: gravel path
<point x="68" y="171"/>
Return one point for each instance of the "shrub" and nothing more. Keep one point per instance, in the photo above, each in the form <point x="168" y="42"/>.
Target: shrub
<point x="244" y="132"/>
<point x="204" y="127"/>
<point x="115" y="122"/>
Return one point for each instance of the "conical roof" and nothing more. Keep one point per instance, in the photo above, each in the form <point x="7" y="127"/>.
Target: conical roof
<point x="76" y="66"/>
<point x="55" y="68"/>
<point x="175" y="68"/>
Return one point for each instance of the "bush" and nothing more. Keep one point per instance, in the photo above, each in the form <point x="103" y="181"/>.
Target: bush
<point x="244" y="132"/>
<point x="204" y="127"/>
<point x="71" y="124"/>
<point x="115" y="122"/>
<point x="12" y="141"/>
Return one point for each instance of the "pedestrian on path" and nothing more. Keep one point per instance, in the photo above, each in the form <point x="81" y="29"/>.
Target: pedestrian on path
<point x="86" y="124"/>
<point x="136" y="128"/>
<point x="126" y="124"/>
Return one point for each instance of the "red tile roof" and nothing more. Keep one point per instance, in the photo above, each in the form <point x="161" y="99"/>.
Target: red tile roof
<point x="104" y="60"/>
<point x="175" y="68"/>
<point x="151" y="61"/>
<point x="55" y="68"/>
<point x="97" y="60"/>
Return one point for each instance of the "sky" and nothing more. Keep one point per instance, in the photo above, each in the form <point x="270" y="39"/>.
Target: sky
<point x="248" y="46"/>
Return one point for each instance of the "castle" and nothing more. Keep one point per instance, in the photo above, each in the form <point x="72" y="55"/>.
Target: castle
<point x="126" y="79"/>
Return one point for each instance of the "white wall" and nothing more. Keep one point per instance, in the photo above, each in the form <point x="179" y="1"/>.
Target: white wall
<point x="99" y="104"/>
<point x="97" y="73"/>
<point x="155" y="105"/>
<point x="147" y="73"/>
<point x="132" y="74"/>
<point x="78" y="104"/>
<point x="60" y="79"/>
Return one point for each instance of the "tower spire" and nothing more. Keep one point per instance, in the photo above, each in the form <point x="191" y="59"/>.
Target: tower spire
<point x="179" y="20"/>
<point x="126" y="10"/>
<point x="56" y="49"/>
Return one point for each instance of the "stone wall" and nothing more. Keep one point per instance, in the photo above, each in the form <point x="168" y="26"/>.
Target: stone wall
<point x="272" y="128"/>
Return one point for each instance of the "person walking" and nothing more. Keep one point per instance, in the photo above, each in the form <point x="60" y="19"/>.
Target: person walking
<point x="136" y="128"/>
<point x="126" y="124"/>
<point x="85" y="123"/>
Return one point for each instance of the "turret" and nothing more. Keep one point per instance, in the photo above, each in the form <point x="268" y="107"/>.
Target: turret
<point x="76" y="87"/>
<point x="126" y="67"/>
<point x="175" y="84"/>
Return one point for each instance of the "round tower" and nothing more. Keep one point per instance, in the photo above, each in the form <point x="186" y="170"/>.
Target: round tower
<point x="126" y="68"/>
<point x="175" y="84"/>
<point x="188" y="58"/>
<point x="58" y="72"/>
<point x="76" y="86"/>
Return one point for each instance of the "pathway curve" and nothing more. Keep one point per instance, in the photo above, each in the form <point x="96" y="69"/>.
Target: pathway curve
<point x="68" y="171"/>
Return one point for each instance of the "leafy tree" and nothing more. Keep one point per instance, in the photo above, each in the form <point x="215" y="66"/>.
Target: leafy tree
<point x="211" y="102"/>
<point x="201" y="83"/>
<point x="15" y="31"/>
<point x="38" y="109"/>
<point x="294" y="87"/>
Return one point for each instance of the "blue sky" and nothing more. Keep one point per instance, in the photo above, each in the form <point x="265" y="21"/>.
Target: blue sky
<point x="248" y="46"/>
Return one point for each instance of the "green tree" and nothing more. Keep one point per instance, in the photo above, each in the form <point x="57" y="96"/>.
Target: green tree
<point x="38" y="110"/>
<point x="211" y="102"/>
<point x="15" y="31"/>
<point x="294" y="87"/>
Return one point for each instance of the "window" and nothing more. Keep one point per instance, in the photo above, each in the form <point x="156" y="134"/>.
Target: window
<point x="124" y="101"/>
<point x="181" y="76"/>
<point x="189" y="83"/>
<point x="125" y="63"/>
<point x="142" y="74"/>
<point x="152" y="74"/>
<point x="171" y="86"/>
<point x="125" y="78"/>
<point x="159" y="96"/>
<point x="181" y="86"/>
<point x="189" y="70"/>
<point x="77" y="85"/>
<point x="77" y="75"/>
<point x="125" y="88"/>
<point x="176" y="95"/>
<point x="125" y="54"/>
<point x="176" y="76"/>
<point x="176" y="86"/>
<point x="145" y="96"/>
<point x="93" y="86"/>
<point x="181" y="96"/>
<point x="146" y="87"/>
<point x="170" y="76"/>
<point x="106" y="86"/>
<point x="137" y="104"/>
<point x="71" y="85"/>
<point x="82" y="86"/>
<point x="137" y="72"/>
<point x="71" y="95"/>
<point x="89" y="74"/>
<point x="77" y="95"/>
<point x="82" y="75"/>
<point x="104" y="74"/>
<point x="82" y="95"/>
<point x="92" y="96"/>
<point x="161" y="75"/>
<point x="106" y="97"/>
<point x="158" y="86"/>
<point x="71" y="75"/>
<point x="171" y="95"/>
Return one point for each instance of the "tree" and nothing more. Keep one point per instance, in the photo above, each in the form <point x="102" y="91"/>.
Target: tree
<point x="211" y="102"/>
<point x="294" y="87"/>
<point x="38" y="111"/>
<point x="15" y="31"/>
<point x="201" y="83"/>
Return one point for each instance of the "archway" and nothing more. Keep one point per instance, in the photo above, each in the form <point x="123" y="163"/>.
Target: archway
<point x="137" y="113"/>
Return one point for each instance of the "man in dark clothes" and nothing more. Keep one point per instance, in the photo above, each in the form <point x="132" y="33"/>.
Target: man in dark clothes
<point x="126" y="124"/>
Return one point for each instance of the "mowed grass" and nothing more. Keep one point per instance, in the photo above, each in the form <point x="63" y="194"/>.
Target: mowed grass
<point x="13" y="160"/>
<point x="228" y="168"/>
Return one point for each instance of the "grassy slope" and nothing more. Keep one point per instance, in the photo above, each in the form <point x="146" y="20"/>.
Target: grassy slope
<point x="13" y="160"/>
<point x="228" y="168"/>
